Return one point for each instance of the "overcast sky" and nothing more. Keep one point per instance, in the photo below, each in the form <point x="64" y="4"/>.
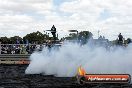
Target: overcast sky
<point x="19" y="17"/>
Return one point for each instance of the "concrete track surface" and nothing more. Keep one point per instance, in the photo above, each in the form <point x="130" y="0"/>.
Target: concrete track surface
<point x="13" y="76"/>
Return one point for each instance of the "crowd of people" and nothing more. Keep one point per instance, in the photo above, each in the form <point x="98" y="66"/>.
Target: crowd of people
<point x="26" y="48"/>
<point x="19" y="48"/>
<point x="30" y="48"/>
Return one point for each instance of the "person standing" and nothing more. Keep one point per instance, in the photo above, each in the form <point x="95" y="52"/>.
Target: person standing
<point x="120" y="39"/>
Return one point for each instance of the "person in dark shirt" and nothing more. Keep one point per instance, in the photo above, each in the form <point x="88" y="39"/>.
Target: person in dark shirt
<point x="120" y="40"/>
<point x="120" y="37"/>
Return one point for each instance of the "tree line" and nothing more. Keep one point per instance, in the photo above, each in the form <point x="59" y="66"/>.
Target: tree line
<point x="33" y="38"/>
<point x="40" y="38"/>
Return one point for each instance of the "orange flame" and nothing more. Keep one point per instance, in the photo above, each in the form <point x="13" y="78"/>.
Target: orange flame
<point x="81" y="71"/>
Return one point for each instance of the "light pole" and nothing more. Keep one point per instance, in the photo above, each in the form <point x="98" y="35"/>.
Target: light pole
<point x="98" y="33"/>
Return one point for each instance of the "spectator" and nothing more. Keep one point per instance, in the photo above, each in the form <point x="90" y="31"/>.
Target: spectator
<point x="120" y="39"/>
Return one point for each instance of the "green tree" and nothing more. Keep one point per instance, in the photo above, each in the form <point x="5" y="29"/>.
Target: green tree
<point x="36" y="37"/>
<point x="128" y="40"/>
<point x="85" y="34"/>
<point x="13" y="40"/>
<point x="82" y="36"/>
<point x="4" y="40"/>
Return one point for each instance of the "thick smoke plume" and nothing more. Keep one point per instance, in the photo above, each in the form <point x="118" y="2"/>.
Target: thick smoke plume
<point x="66" y="60"/>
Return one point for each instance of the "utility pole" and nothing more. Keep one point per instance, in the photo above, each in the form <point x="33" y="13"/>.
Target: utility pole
<point x="98" y="33"/>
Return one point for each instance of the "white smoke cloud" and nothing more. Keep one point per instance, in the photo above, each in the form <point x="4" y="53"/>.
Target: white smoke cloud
<point x="66" y="60"/>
